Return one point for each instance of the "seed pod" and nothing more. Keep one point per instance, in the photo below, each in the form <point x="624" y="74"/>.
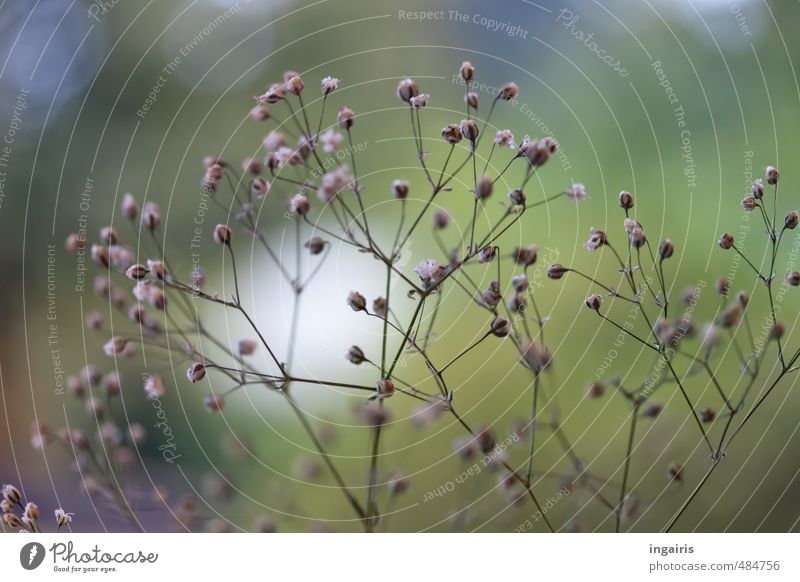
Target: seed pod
<point x="259" y="113"/>
<point x="748" y="203"/>
<point x="508" y="91"/>
<point x="708" y="414"/>
<point x="758" y="189"/>
<point x="469" y="129"/>
<point x="483" y="189"/>
<point x="597" y="238"/>
<point x="400" y="189"/>
<point x="196" y="372"/>
<point x="517" y="197"/>
<point x="472" y="99"/>
<point x="259" y="187"/>
<point x="487" y="254"/>
<point x="329" y="85"/>
<point x="451" y="133"/>
<point x="792" y="278"/>
<point x="726" y="241"/>
<point x="771" y="174"/>
<point x="666" y="249"/>
<point x="136" y="272"/>
<point x="742" y="298"/>
<point x="625" y="200"/>
<point x="12" y="494"/>
<point x="315" y="245"/>
<point x="441" y="219"/>
<point x="100" y="255"/>
<point x="108" y="235"/>
<point x="115" y="346"/>
<point x="595" y="390"/>
<point x="222" y="234"/>
<point x="594" y="302"/>
<point x="130" y="209"/>
<point x="777" y="330"/>
<point x="501" y="326"/>
<point x="486" y="440"/>
<point x="247" y="347"/>
<point x="791" y="220"/>
<point x="299" y="205"/>
<point x="467" y="71"/>
<point x="346" y="118"/>
<point x="295" y="85"/>
<point x="356" y="301"/>
<point x="675" y="471"/>
<point x="525" y="255"/>
<point x="385" y="388"/>
<point x="722" y="286"/>
<point x="379" y="306"/>
<point x="355" y="355"/>
<point x="407" y="89"/>
<point x="151" y="216"/>
<point x="556" y="271"/>
<point x="653" y="409"/>
<point x="420" y="101"/>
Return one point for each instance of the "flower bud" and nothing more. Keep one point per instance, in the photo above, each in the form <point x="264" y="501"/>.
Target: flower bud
<point x="758" y="189"/>
<point x="517" y="197"/>
<point x="726" y="241"/>
<point x="136" y="272"/>
<point x="594" y="302"/>
<point x="355" y="355"/>
<point x="407" y="89"/>
<point x="487" y="254"/>
<point x="748" y="203"/>
<point x="792" y="278"/>
<point x="508" y="91"/>
<point x="130" y="209"/>
<point x="108" y="235"/>
<point x="385" y="388"/>
<point x="346" y="118"/>
<point x="467" y="71"/>
<point x="595" y="390"/>
<point x="625" y="200"/>
<point x="722" y="286"/>
<point x="483" y="189"/>
<point x="299" y="205"/>
<point x="315" y="245"/>
<point x="196" y="372"/>
<point x="214" y="403"/>
<point x="400" y="189"/>
<point x="295" y="85"/>
<point x="259" y="187"/>
<point x="771" y="174"/>
<point x="675" y="471"/>
<point x="222" y="234"/>
<point x="556" y="271"/>
<point x="666" y="249"/>
<point x="451" y="133"/>
<point x="791" y="220"/>
<point x="441" y="219"/>
<point x="777" y="330"/>
<point x="12" y="494"/>
<point x="259" y="113"/>
<point x="708" y="414"/>
<point x="115" y="346"/>
<point x="501" y="326"/>
<point x="472" y="99"/>
<point x="379" y="306"/>
<point x="525" y="255"/>
<point x="742" y="298"/>
<point x="653" y="409"/>
<point x="597" y="238"/>
<point x="100" y="255"/>
<point x="356" y="301"/>
<point x="329" y="85"/>
<point x="469" y="129"/>
<point x="151" y="216"/>
<point x="420" y="101"/>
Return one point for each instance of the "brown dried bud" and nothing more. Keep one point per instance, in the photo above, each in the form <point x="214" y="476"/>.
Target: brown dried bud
<point x="441" y="219"/>
<point x="398" y="486"/>
<point x="100" y="255"/>
<point x="666" y="249"/>
<point x="525" y="255"/>
<point x="136" y="272"/>
<point x="469" y="129"/>
<point x="214" y="160"/>
<point x="520" y="283"/>
<point x="594" y="302"/>
<point x="157" y="269"/>
<point x="777" y="330"/>
<point x="653" y="409"/>
<point x="13" y="521"/>
<point x="400" y="189"/>
<point x="94" y="320"/>
<point x="517" y="197"/>
<point x="708" y="414"/>
<point x="486" y="440"/>
<point x="299" y="205"/>
<point x="597" y="238"/>
<point x="151" y="216"/>
<point x="295" y="85"/>
<point x="329" y="85"/>
<point x="722" y="286"/>
<point x="536" y="356"/>
<point x="472" y="99"/>
<point x="407" y="89"/>
<point x="420" y="100"/>
<point x="595" y="390"/>
<point x="222" y="234"/>
<point x="483" y="189"/>
<point x="771" y="174"/>
<point x="451" y="133"/>
<point x="625" y="200"/>
<point x="108" y="235"/>
<point x="356" y="301"/>
<point x="379" y="306"/>
<point x="726" y="241"/>
<point x="792" y="278"/>
<point x="742" y="298"/>
<point x="467" y="71"/>
<point x="12" y="494"/>
<point x="154" y="385"/>
<point x="758" y="189"/>
<point x="386" y="388"/>
<point x="214" y="403"/>
<point x="130" y="209"/>
<point x="275" y="93"/>
<point x="508" y="91"/>
<point x="115" y="346"/>
<point x="556" y="271"/>
<point x="196" y="372"/>
<point x="346" y="118"/>
<point x="487" y="254"/>
<point x="315" y="245"/>
<point x="259" y="113"/>
<point x="501" y="326"/>
<point x="791" y="220"/>
<point x="247" y="347"/>
<point x="675" y="471"/>
<point x="748" y="203"/>
<point x="259" y="187"/>
<point x="355" y="355"/>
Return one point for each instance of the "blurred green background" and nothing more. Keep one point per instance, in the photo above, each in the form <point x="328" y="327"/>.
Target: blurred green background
<point x="85" y="70"/>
